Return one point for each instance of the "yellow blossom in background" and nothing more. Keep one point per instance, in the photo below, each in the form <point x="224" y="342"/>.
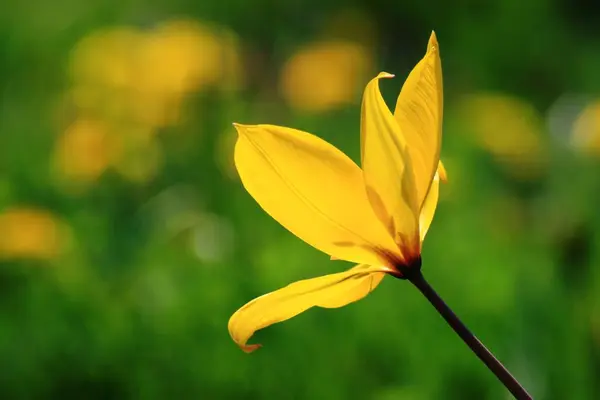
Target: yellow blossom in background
<point x="585" y="135"/>
<point x="185" y="55"/>
<point x="144" y="75"/>
<point x="89" y="147"/>
<point x="376" y="216"/>
<point x="181" y="56"/>
<point x="29" y="233"/>
<point x="134" y="82"/>
<point x="508" y="128"/>
<point x="85" y="150"/>
<point x="325" y="75"/>
<point x="103" y="59"/>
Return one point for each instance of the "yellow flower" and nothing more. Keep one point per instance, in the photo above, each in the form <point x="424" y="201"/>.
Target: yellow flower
<point x="85" y="150"/>
<point x="325" y="75"/>
<point x="30" y="233"/>
<point x="510" y="129"/>
<point x="376" y="216"/>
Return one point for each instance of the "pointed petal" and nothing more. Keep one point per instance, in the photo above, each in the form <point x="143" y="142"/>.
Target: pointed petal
<point x="330" y="291"/>
<point x="419" y="112"/>
<point x="312" y="189"/>
<point x="388" y="175"/>
<point x="431" y="200"/>
<point x="442" y="172"/>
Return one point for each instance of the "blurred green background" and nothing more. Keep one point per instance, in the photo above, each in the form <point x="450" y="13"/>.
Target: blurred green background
<point x="127" y="240"/>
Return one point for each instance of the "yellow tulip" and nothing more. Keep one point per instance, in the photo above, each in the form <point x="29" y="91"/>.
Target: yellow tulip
<point x="376" y="216"/>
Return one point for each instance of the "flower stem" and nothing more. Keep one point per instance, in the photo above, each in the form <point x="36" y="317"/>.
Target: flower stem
<point x="471" y="340"/>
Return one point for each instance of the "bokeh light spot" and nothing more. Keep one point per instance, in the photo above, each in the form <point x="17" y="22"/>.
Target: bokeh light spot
<point x="325" y="75"/>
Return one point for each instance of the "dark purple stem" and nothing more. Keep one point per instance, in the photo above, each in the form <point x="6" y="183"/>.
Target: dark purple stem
<point x="518" y="391"/>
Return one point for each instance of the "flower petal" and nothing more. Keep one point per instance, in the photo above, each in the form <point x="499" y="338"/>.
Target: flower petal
<point x="330" y="291"/>
<point x="313" y="190"/>
<point x="386" y="162"/>
<point x="441" y="170"/>
<point x="431" y="200"/>
<point x="419" y="112"/>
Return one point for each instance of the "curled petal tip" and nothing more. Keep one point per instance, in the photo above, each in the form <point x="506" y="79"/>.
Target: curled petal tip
<point x="250" y="348"/>
<point x="443" y="178"/>
<point x="329" y="291"/>
<point x="443" y="175"/>
<point x="385" y="75"/>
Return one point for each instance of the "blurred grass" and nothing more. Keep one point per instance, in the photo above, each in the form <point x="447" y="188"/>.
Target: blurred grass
<point x="127" y="241"/>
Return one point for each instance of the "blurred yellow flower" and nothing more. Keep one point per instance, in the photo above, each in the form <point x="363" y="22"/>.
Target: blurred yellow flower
<point x="29" y="233"/>
<point x="104" y="57"/>
<point x="85" y="150"/>
<point x="143" y="75"/>
<point x="585" y="135"/>
<point x="377" y="216"/>
<point x="509" y="128"/>
<point x="183" y="55"/>
<point x="134" y="82"/>
<point x="325" y="75"/>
